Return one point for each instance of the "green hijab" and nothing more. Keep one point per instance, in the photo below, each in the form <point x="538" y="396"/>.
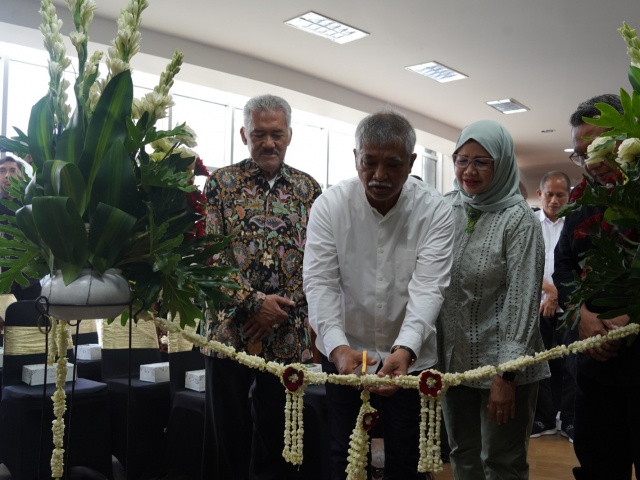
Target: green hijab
<point x="504" y="190"/>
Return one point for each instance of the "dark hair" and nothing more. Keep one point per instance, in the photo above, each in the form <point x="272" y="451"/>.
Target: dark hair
<point x="589" y="110"/>
<point x="386" y="128"/>
<point x="555" y="174"/>
<point x="266" y="103"/>
<point x="9" y="158"/>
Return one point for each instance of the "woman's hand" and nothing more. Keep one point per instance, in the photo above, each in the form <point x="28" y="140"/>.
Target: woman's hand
<point x="502" y="400"/>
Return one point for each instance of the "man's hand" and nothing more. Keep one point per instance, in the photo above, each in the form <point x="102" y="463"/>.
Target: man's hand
<point x="394" y="365"/>
<point x="262" y="323"/>
<point x="502" y="400"/>
<point x="549" y="305"/>
<point x="590" y="326"/>
<point x="347" y="360"/>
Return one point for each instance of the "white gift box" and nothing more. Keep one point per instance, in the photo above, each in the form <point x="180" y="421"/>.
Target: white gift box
<point x="34" y="374"/>
<point x="90" y="351"/>
<point x="194" y="380"/>
<point x="155" y="372"/>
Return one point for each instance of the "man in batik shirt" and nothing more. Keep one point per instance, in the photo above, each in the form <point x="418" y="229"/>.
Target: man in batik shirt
<point x="264" y="204"/>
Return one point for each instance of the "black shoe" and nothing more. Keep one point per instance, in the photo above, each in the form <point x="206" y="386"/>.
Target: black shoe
<point x="567" y="431"/>
<point x="541" y="428"/>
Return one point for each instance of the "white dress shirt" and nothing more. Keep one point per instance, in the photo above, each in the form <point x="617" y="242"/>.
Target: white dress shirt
<point x="551" y="234"/>
<point x="375" y="281"/>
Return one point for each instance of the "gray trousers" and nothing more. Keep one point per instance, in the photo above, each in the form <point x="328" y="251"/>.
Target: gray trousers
<point x="481" y="449"/>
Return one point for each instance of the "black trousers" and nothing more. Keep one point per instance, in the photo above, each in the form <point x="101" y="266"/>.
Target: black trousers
<point x="400" y="421"/>
<point x="607" y="426"/>
<point x="244" y="424"/>
<point x="557" y="393"/>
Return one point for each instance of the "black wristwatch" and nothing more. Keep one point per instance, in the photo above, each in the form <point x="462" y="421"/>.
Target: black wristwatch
<point x="411" y="352"/>
<point x="509" y="376"/>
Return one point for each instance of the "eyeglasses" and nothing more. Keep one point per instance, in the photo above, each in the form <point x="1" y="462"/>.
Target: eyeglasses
<point x="479" y="164"/>
<point x="578" y="158"/>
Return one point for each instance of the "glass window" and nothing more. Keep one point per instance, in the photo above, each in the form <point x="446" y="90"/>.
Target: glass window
<point x="308" y="151"/>
<point x="341" y="160"/>
<point x="208" y="120"/>
<point x="27" y="84"/>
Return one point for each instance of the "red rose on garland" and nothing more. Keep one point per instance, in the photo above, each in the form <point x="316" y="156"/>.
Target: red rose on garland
<point x="292" y="378"/>
<point x="430" y="383"/>
<point x="370" y="420"/>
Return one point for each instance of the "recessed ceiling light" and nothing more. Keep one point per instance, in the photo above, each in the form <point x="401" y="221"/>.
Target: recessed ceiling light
<point x="326" y="27"/>
<point x="436" y="71"/>
<point x="507" y="106"/>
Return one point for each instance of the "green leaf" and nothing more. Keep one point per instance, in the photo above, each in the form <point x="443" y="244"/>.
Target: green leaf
<point x="26" y="224"/>
<point x="634" y="77"/>
<point x="71" y="142"/>
<point x="62" y="229"/>
<point x="109" y="231"/>
<point x="33" y="188"/>
<point x="107" y="125"/>
<point x="116" y="183"/>
<point x="63" y="179"/>
<point x="41" y="131"/>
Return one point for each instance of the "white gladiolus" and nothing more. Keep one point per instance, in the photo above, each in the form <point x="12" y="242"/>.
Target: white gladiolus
<point x="629" y="151"/>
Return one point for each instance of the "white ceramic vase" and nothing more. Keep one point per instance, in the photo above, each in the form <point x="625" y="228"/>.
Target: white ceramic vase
<point x="90" y="296"/>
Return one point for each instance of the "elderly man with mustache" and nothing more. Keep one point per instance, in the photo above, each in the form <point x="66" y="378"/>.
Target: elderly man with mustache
<point x="264" y="204"/>
<point x="376" y="265"/>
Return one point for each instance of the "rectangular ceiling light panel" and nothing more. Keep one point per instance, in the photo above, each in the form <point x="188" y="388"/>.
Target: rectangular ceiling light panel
<point x="507" y="106"/>
<point x="436" y="71"/>
<point x="317" y="24"/>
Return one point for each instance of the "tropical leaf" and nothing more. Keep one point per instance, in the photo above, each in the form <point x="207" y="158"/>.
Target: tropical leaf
<point x="116" y="183"/>
<point x="634" y="77"/>
<point x="107" y="125"/>
<point x="41" y="131"/>
<point x="63" y="179"/>
<point x="109" y="232"/>
<point x="71" y="142"/>
<point x="63" y="231"/>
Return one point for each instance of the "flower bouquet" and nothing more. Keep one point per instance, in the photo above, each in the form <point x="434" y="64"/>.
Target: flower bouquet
<point x="610" y="274"/>
<point x="109" y="190"/>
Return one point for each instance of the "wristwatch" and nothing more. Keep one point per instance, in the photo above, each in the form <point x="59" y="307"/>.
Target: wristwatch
<point x="509" y="376"/>
<point x="411" y="352"/>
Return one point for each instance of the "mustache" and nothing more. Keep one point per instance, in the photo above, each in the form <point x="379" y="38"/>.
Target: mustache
<point x="375" y="183"/>
<point x="269" y="151"/>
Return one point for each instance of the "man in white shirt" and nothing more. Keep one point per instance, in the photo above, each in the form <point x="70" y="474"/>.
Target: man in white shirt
<point x="376" y="264"/>
<point x="558" y="392"/>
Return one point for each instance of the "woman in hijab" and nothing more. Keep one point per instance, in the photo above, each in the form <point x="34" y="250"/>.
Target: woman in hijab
<point x="490" y="309"/>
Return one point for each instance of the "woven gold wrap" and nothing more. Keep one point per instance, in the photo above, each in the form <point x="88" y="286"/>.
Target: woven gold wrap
<point x="87" y="326"/>
<point x="177" y="343"/>
<point x="143" y="335"/>
<point x="26" y="341"/>
<point x="6" y="300"/>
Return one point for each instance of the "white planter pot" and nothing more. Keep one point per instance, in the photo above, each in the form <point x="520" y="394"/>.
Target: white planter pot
<point x="89" y="296"/>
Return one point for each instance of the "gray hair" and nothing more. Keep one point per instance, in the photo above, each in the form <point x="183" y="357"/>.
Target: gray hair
<point x="266" y="103"/>
<point x="555" y="174"/>
<point x="588" y="108"/>
<point x="386" y="128"/>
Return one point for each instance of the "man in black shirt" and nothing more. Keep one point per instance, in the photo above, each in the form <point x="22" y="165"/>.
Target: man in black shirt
<point x="607" y="418"/>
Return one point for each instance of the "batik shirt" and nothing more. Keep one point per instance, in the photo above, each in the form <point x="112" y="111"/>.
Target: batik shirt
<point x="269" y="225"/>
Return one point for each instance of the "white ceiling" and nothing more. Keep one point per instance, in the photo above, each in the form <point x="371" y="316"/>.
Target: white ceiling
<point x="547" y="54"/>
